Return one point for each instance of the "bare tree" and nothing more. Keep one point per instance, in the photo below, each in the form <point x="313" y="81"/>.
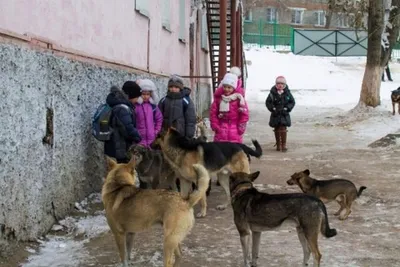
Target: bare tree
<point x="370" y="90"/>
<point x="393" y="30"/>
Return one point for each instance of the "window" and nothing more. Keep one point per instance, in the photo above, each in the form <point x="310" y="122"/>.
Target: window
<point x="142" y="6"/>
<point x="297" y="16"/>
<point x="182" y="21"/>
<point x="248" y="15"/>
<point x="166" y="15"/>
<point x="271" y="15"/>
<point x="204" y="31"/>
<point x="320" y="18"/>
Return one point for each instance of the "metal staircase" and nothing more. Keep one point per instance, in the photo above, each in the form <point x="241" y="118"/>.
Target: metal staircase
<point x="214" y="29"/>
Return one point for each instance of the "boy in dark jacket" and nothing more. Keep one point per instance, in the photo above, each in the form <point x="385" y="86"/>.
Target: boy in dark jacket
<point x="177" y="108"/>
<point x="122" y="121"/>
<point x="280" y="103"/>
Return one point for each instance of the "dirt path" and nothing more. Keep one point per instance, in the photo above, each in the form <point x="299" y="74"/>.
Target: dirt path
<point x="368" y="238"/>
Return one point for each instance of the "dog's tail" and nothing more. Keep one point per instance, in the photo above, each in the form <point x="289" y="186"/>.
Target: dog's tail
<point x="203" y="179"/>
<point x="325" y="229"/>
<point x="362" y="188"/>
<point x="249" y="151"/>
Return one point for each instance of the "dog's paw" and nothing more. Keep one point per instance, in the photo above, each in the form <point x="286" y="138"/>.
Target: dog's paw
<point x="222" y="207"/>
<point x="201" y="214"/>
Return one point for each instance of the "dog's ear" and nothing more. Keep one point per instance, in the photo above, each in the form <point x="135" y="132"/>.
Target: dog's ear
<point x="254" y="175"/>
<point x="306" y="172"/>
<point x="111" y="163"/>
<point x="131" y="164"/>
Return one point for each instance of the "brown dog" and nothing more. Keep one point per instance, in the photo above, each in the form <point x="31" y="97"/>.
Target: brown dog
<point x="217" y="157"/>
<point x="341" y="190"/>
<point x="256" y="212"/>
<point x="130" y="210"/>
<point x="396" y="99"/>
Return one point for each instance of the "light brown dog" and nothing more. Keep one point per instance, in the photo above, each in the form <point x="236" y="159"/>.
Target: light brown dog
<point x="130" y="210"/>
<point x="341" y="190"/>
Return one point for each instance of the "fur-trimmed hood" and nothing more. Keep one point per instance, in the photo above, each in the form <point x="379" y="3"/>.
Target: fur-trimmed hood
<point x="148" y="85"/>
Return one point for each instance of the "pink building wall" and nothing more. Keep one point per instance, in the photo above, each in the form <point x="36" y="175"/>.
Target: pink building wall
<point x="110" y="29"/>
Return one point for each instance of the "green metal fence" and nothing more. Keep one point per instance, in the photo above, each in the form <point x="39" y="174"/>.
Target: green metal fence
<point x="264" y="33"/>
<point x="278" y="36"/>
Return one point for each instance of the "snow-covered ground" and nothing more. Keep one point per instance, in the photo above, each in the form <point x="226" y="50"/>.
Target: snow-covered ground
<point x="325" y="89"/>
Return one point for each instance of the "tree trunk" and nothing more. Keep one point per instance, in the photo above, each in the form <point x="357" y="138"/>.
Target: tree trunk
<point x="328" y="18"/>
<point x="370" y="91"/>
<point x="394" y="20"/>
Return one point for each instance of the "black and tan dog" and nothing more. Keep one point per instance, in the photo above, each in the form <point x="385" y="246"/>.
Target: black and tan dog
<point x="217" y="157"/>
<point x="256" y="212"/>
<point x="341" y="190"/>
<point x="152" y="168"/>
<point x="130" y="210"/>
<point x="395" y="96"/>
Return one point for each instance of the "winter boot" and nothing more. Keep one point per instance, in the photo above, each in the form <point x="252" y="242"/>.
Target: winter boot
<point x="277" y="138"/>
<point x="284" y="137"/>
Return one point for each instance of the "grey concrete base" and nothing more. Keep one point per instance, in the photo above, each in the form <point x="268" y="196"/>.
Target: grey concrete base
<point x="40" y="181"/>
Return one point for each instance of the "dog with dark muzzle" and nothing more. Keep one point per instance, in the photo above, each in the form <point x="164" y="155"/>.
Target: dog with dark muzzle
<point x="152" y="168"/>
<point x="395" y="96"/>
<point x="343" y="191"/>
<point x="256" y="212"/>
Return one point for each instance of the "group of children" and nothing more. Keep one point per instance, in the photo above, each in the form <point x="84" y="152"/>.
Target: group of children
<point x="138" y="116"/>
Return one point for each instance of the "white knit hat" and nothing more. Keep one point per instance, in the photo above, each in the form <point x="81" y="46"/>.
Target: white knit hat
<point x="230" y="79"/>
<point x="147" y="85"/>
<point x="235" y="70"/>
<point x="280" y="79"/>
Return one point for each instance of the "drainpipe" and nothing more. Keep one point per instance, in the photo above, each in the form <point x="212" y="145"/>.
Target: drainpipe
<point x="233" y="33"/>
<point x="222" y="39"/>
<point x="148" y="45"/>
<point x="191" y="51"/>
<point x="239" y="39"/>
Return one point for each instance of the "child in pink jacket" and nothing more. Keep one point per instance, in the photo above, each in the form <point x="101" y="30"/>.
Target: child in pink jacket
<point x="229" y="113"/>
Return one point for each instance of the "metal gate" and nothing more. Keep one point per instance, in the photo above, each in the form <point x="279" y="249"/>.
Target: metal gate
<point x="336" y="43"/>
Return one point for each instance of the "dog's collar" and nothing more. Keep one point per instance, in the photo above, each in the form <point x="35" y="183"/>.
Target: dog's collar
<point x="239" y="190"/>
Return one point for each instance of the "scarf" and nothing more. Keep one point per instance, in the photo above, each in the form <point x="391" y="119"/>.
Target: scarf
<point x="224" y="105"/>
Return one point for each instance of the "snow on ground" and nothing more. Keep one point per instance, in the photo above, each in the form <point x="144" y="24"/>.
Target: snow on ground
<point x="324" y="84"/>
<point x="325" y="89"/>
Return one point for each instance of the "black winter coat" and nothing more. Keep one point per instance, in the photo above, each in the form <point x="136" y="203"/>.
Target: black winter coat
<point x="178" y="110"/>
<point x="280" y="107"/>
<point x="123" y="122"/>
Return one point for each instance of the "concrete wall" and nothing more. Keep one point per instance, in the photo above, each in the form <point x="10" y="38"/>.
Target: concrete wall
<point x="39" y="182"/>
<point x="111" y="29"/>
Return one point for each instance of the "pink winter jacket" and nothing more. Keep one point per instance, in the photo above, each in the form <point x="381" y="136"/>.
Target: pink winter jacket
<point x="229" y="126"/>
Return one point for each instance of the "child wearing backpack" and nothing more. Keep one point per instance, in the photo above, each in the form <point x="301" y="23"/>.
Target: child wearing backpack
<point x="177" y="108"/>
<point x="122" y="121"/>
<point x="148" y="116"/>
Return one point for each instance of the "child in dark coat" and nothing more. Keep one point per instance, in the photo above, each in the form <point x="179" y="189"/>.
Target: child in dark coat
<point x="280" y="103"/>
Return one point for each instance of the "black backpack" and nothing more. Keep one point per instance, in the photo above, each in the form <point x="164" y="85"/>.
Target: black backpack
<point x="101" y="128"/>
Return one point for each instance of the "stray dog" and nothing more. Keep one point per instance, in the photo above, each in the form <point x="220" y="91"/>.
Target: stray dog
<point x="201" y="130"/>
<point x="216" y="157"/>
<point x="130" y="210"/>
<point x="341" y="190"/>
<point x="396" y="99"/>
<point x="256" y="212"/>
<point x="152" y="167"/>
